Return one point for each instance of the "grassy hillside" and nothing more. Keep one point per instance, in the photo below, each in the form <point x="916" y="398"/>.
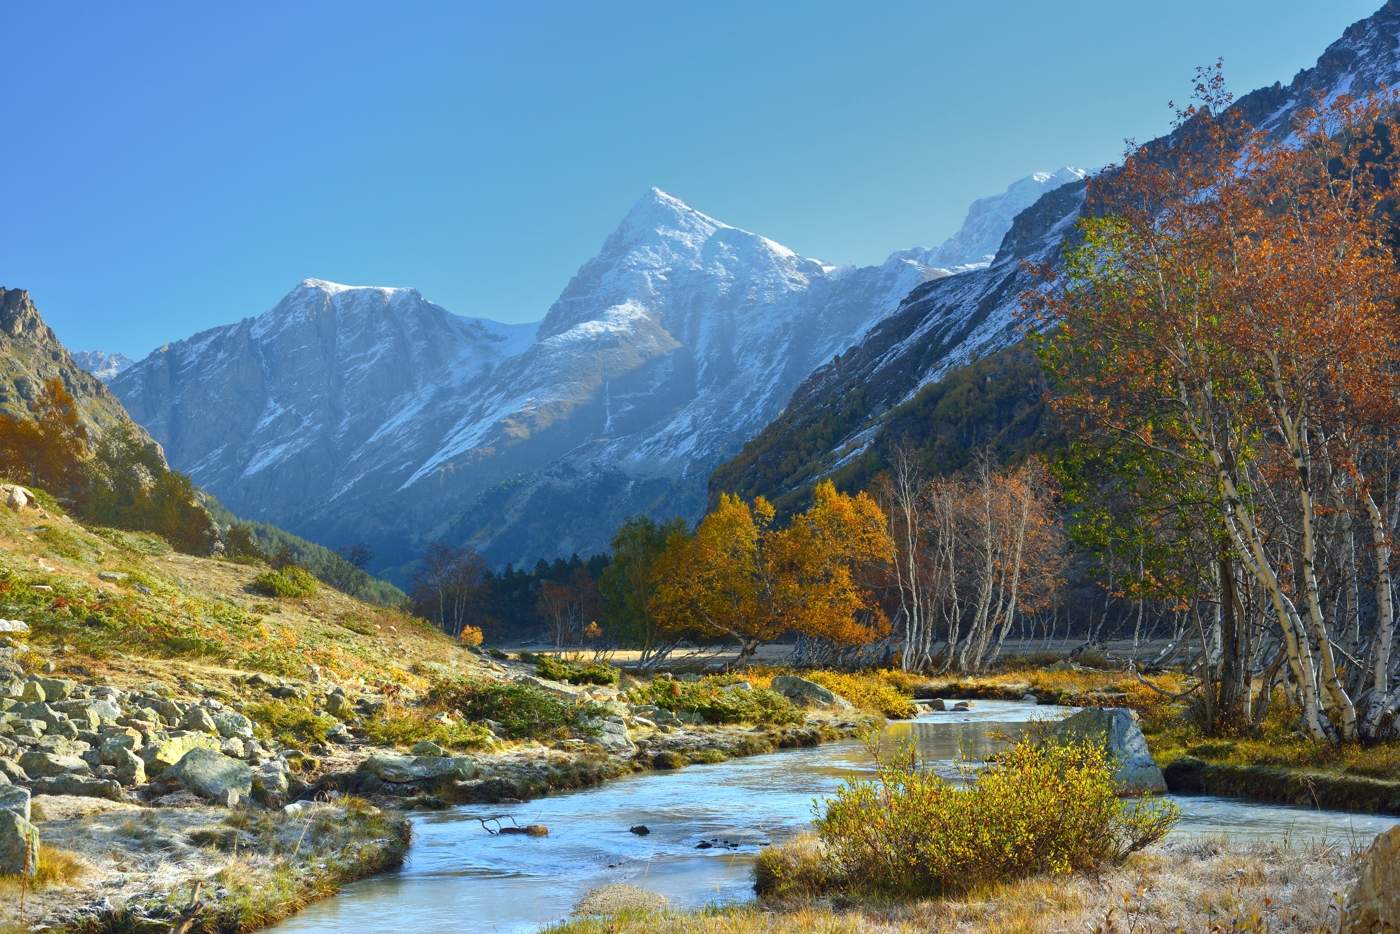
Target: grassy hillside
<point x="126" y="605"/>
<point x="326" y="564"/>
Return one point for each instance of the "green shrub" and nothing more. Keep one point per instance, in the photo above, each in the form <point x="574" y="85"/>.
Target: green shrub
<point x="292" y="723"/>
<point x="522" y="710"/>
<point x="1039" y="807"/>
<point x="557" y="669"/>
<point x="404" y="728"/>
<point x="286" y="582"/>
<point x="716" y="701"/>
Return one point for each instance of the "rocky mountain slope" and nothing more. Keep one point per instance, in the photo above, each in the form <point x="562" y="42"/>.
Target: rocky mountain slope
<point x="102" y="364"/>
<point x="837" y="413"/>
<point x="31" y="355"/>
<point x="353" y="414"/>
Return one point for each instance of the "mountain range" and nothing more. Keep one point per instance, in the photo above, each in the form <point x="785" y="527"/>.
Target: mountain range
<point x="365" y="414"/>
<point x="844" y="410"/>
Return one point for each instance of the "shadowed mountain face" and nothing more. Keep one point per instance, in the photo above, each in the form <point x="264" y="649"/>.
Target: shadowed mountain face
<point x="352" y="414"/>
<point x="842" y="408"/>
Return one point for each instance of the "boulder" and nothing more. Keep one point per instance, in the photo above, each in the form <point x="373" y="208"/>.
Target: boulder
<point x="13" y="627"/>
<point x="213" y="776"/>
<point x="16" y="799"/>
<point x="160" y="754"/>
<point x="271" y="784"/>
<point x="1118" y="730"/>
<point x="658" y="715"/>
<point x="806" y="693"/>
<point x="57" y="689"/>
<point x="610" y="733"/>
<point x="39" y="764"/>
<point x="16" y="497"/>
<point x="233" y="725"/>
<point x="403" y="769"/>
<point x="427" y="747"/>
<point x="1373" y="904"/>
<point x="19" y="846"/>
<point x="130" y="770"/>
<point x="79" y="786"/>
<point x="33" y="692"/>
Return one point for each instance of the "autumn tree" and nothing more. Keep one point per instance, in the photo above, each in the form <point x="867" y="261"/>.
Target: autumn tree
<point x="823" y="568"/>
<point x="1230" y="313"/>
<point x="49" y="450"/>
<point x="740" y="576"/>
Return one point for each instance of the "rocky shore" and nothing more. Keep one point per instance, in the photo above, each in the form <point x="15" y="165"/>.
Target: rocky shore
<point x="170" y="803"/>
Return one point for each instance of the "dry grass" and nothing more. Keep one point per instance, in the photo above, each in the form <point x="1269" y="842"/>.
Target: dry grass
<point x="1202" y="886"/>
<point x="179" y="618"/>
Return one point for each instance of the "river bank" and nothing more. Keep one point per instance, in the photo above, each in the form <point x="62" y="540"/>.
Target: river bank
<point x="706" y="825"/>
<point x="169" y="803"/>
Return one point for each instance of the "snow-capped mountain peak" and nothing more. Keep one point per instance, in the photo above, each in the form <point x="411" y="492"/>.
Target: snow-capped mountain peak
<point x="988" y="219"/>
<point x="362" y="413"/>
<point x="105" y="366"/>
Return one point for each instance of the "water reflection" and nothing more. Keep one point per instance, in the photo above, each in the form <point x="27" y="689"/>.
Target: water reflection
<point x="457" y="878"/>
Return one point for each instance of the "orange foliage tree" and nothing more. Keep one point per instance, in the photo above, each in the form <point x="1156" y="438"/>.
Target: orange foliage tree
<point x="1230" y="313"/>
<point x="740" y="576"/>
<point x="50" y="450"/>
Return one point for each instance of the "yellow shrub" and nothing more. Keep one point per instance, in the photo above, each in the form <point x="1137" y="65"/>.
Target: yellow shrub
<point x="872" y="690"/>
<point x="1039" y="807"/>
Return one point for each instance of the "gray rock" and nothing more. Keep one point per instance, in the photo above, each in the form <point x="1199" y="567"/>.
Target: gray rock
<point x="658" y="715"/>
<point x="161" y="753"/>
<point x="57" y="689"/>
<point x="1118" y="730"/>
<point x="213" y="776"/>
<point x="610" y="733"/>
<point x="403" y="769"/>
<point x="13" y="627"/>
<point x="808" y="693"/>
<point x="33" y="692"/>
<point x="12" y="771"/>
<point x="231" y="724"/>
<point x="271" y="784"/>
<point x="234" y="748"/>
<point x="19" y="845"/>
<point x="78" y="785"/>
<point x="40" y="764"/>
<point x="198" y="719"/>
<point x="428" y="748"/>
<point x="16" y="799"/>
<point x="130" y="770"/>
<point x="112" y="577"/>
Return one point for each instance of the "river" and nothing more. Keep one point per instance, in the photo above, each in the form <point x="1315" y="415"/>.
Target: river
<point x="459" y="878"/>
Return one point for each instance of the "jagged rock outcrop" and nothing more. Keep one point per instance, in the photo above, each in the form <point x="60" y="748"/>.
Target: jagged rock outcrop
<point x="31" y="355"/>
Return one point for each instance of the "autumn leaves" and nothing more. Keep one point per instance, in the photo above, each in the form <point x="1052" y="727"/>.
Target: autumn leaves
<point x="740" y="576"/>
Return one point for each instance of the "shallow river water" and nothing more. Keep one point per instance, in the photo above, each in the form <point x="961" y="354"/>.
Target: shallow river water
<point x="458" y="878"/>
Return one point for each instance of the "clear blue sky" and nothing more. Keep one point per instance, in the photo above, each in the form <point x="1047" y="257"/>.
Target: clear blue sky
<point x="168" y="167"/>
